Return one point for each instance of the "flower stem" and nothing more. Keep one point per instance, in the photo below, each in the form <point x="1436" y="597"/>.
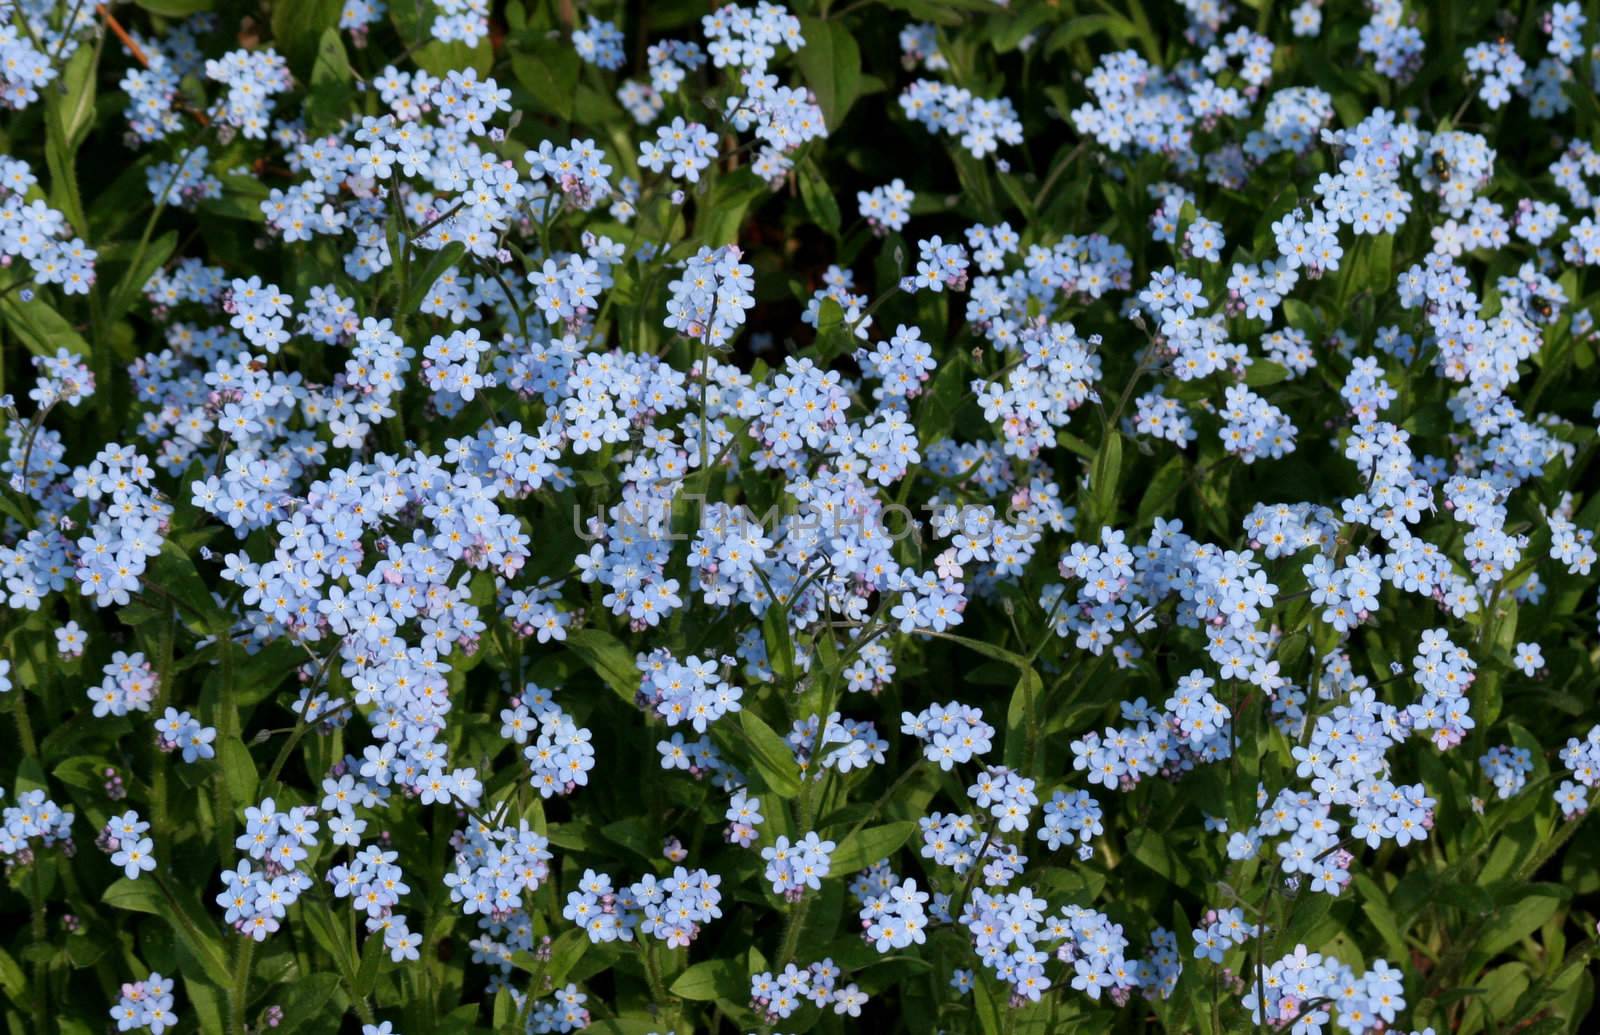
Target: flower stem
<point x="30" y="746"/>
<point x="41" y="985"/>
<point x="791" y="931"/>
<point x="659" y="997"/>
<point x="239" y="995"/>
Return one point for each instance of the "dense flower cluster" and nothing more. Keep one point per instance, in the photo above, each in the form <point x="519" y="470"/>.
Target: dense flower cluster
<point x="479" y="469"/>
<point x="35" y="233"/>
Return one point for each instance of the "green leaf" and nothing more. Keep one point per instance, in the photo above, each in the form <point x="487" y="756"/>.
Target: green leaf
<point x="1378" y="265"/>
<point x="830" y="61"/>
<point x="72" y="109"/>
<point x="630" y="1025"/>
<point x="635" y="834"/>
<point x="372" y="956"/>
<point x="1263" y="372"/>
<point x="39" y="326"/>
<point x="1014" y="190"/>
<point x="1302" y="317"/>
<point x="12" y="980"/>
<point x="1103" y="474"/>
<point x="413" y="20"/>
<point x="1531" y="905"/>
<point x="328" y="934"/>
<point x="940" y="13"/>
<point x="1154" y="851"/>
<point x="139" y="896"/>
<point x="1161" y="491"/>
<point x="942" y="401"/>
<point x="175" y="8"/>
<point x="565" y="952"/>
<point x="140" y="269"/>
<point x="85" y="772"/>
<point x="188" y="921"/>
<point x="973" y="173"/>
<point x="173" y="573"/>
<point x="991" y="1006"/>
<point x="305" y="1001"/>
<point x="609" y="659"/>
<point x="547" y="67"/>
<point x="1285" y="201"/>
<point x="1306" y="915"/>
<point x="779" y="643"/>
<point x="331" y="90"/>
<point x="719" y="221"/>
<point x="1375" y="904"/>
<point x="238" y="769"/>
<point x="297" y="26"/>
<point x="865" y="847"/>
<point x="833" y="336"/>
<point x="1007" y="31"/>
<point x="770" y="755"/>
<point x="30" y="776"/>
<point x="60" y="161"/>
<point x="1022" y="722"/>
<point x="821" y="205"/>
<point x="1501" y="631"/>
<point x="439" y="263"/>
<point x="990" y="650"/>
<point x="713" y="979"/>
<point x="1073" y="29"/>
<point x="208" y="1002"/>
<point x="259" y="675"/>
<point x="85" y="951"/>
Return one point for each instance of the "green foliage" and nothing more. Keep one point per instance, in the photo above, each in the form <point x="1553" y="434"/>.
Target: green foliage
<point x="1490" y="916"/>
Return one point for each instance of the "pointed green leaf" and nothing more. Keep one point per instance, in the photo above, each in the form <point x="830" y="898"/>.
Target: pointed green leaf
<point x="1161" y="491"/>
<point x="830" y="61"/>
<point x="39" y="326"/>
<point x="437" y="265"/>
<point x="1022" y="722"/>
<point x="770" y="754"/>
<point x="238" y="769"/>
<point x="1103" y="475"/>
<point x="175" y="8"/>
<point x="297" y="27"/>
<point x="867" y="846"/>
<point x="821" y="205"/>
<point x="609" y="659"/>
<point x="328" y="102"/>
<point x="713" y="979"/>
<point x="547" y="67"/>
